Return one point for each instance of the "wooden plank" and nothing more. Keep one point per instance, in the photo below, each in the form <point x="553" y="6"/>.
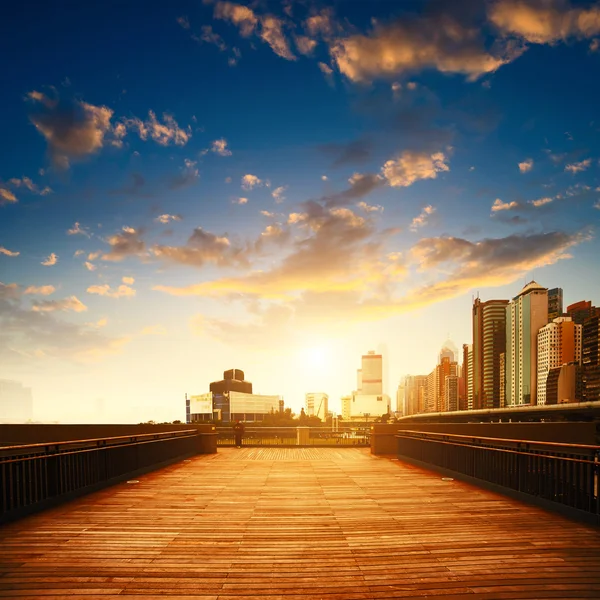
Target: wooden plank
<point x="297" y="523"/>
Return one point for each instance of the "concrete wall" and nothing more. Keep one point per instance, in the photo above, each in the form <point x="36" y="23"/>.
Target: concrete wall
<point x="36" y="434"/>
<point x="384" y="442"/>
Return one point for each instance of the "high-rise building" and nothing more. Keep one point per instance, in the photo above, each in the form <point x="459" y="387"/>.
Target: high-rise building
<point x="563" y="384"/>
<point x="317" y="405"/>
<point x="372" y="374"/>
<point x="503" y="379"/>
<point x="415" y="394"/>
<point x="489" y="342"/>
<point x="526" y="314"/>
<point x="580" y="311"/>
<point x="451" y="393"/>
<point x="401" y="397"/>
<point x="559" y="343"/>
<point x="555" y="304"/>
<point x="590" y="358"/>
<point x="467" y="378"/>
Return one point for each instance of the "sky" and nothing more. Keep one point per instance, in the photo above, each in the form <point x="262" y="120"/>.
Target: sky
<point x="279" y="187"/>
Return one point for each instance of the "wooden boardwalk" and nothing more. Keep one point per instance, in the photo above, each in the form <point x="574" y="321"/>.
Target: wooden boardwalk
<point x="297" y="524"/>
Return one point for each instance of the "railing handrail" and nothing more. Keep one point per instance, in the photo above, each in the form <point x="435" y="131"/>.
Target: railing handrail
<point x="92" y="441"/>
<point x="502" y="440"/>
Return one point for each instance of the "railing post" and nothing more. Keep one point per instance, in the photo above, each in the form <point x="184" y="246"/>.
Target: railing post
<point x="302" y="436"/>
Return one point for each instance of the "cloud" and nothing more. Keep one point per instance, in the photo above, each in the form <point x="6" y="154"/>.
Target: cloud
<point x="42" y="290"/>
<point x="123" y="291"/>
<point x="128" y="280"/>
<point x="267" y="213"/>
<point x="28" y="184"/>
<point x="166" y="218"/>
<point x="240" y="201"/>
<point x="346" y="153"/>
<point x="78" y="230"/>
<point x="125" y="243"/>
<point x="203" y="247"/>
<point x="6" y="196"/>
<point x="73" y="129"/>
<point x="277" y="194"/>
<point x="578" y="166"/>
<point x="360" y="186"/>
<point x="327" y="71"/>
<point x="423" y="218"/>
<point x="324" y="177"/>
<point x="500" y="205"/>
<point x="50" y="261"/>
<point x="72" y="303"/>
<point x="370" y="208"/>
<point x="166" y="133"/>
<point x="184" y="22"/>
<point x="98" y="324"/>
<point x="335" y="255"/>
<point x="211" y="37"/>
<point x="188" y="175"/>
<point x="8" y="252"/>
<point x="154" y="330"/>
<point x="304" y="44"/>
<point x="544" y="21"/>
<point x="526" y="165"/>
<point x="541" y="202"/>
<point x="220" y="147"/>
<point x="413" y="44"/>
<point x="595" y="45"/>
<point x="90" y="266"/>
<point x="268" y="27"/>
<point x="413" y="166"/>
<point x="249" y="182"/>
<point x="9" y="291"/>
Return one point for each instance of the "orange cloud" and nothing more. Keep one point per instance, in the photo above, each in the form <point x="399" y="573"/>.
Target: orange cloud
<point x="42" y="290"/>
<point x="123" y="291"/>
<point x="72" y="303"/>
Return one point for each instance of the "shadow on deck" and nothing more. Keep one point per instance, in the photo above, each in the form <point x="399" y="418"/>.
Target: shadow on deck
<point x="297" y="523"/>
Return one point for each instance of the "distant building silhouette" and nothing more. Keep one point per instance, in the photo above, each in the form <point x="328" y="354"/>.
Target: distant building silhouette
<point x="317" y="405"/>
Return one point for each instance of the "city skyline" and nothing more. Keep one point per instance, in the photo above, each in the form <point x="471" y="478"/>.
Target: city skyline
<point x="282" y="187"/>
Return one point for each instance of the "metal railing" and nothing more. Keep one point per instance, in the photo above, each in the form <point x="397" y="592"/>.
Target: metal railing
<point x="35" y="474"/>
<point x="566" y="474"/>
<point x="295" y="436"/>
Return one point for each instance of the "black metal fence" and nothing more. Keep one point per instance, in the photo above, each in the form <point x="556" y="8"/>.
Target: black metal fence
<point x="295" y="436"/>
<point x="35" y="475"/>
<point x="566" y="474"/>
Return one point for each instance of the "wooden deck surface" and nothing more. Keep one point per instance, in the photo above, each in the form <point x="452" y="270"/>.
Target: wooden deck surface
<point x="282" y="523"/>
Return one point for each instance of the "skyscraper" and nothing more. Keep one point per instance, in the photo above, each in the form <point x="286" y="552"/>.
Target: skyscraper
<point x="591" y="358"/>
<point x="415" y="393"/>
<point x="559" y="343"/>
<point x="489" y="342"/>
<point x="526" y="314"/>
<point x="466" y="403"/>
<point x="555" y="304"/>
<point x="316" y="405"/>
<point x="372" y="374"/>
<point x="582" y="310"/>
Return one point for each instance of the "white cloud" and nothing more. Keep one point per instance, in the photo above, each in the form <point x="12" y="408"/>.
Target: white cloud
<point x="277" y="194"/>
<point x="122" y="291"/>
<point x="369" y="208"/>
<point x="541" y="201"/>
<point x="128" y="280"/>
<point x="78" y="230"/>
<point x="240" y="201"/>
<point x="220" y="147"/>
<point x="8" y="252"/>
<point x="42" y="290"/>
<point x="166" y="133"/>
<point x="526" y="165"/>
<point x="422" y="219"/>
<point x="412" y="166"/>
<point x="51" y="260"/>
<point x="324" y="177"/>
<point x="90" y="266"/>
<point x="166" y="218"/>
<point x="71" y="303"/>
<point x="27" y="183"/>
<point x="578" y="166"/>
<point x="6" y="196"/>
<point x="250" y="181"/>
<point x="544" y="21"/>
<point x="500" y="205"/>
<point x="267" y="213"/>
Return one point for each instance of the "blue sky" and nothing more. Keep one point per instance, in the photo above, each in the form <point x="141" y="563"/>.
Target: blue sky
<point x="280" y="187"/>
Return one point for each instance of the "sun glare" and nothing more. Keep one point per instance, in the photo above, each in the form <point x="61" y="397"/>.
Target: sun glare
<point x="315" y="357"/>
